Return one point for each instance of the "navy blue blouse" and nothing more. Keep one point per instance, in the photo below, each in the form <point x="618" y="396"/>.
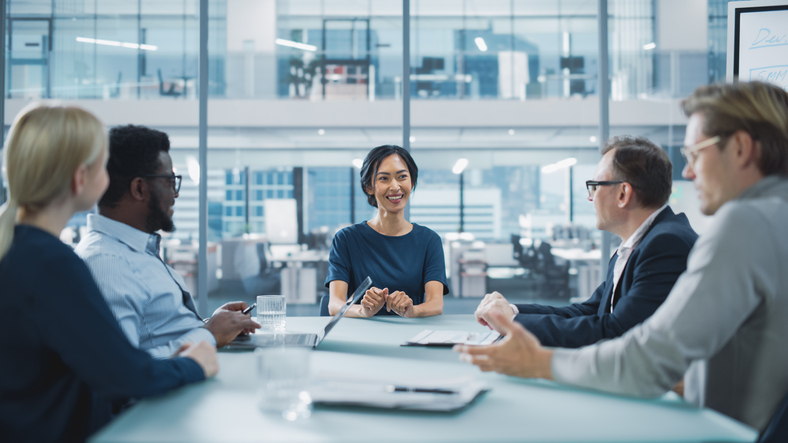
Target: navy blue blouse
<point x="404" y="263"/>
<point x="63" y="358"/>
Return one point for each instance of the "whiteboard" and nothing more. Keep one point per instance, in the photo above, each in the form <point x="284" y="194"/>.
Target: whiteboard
<point x="758" y="42"/>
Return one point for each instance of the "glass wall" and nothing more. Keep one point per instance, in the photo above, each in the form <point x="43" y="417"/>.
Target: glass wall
<point x="300" y="90"/>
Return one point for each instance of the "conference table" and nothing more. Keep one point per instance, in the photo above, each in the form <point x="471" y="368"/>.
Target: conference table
<point x="224" y="408"/>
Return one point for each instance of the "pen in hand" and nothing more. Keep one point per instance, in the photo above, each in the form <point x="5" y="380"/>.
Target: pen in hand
<point x="249" y="309"/>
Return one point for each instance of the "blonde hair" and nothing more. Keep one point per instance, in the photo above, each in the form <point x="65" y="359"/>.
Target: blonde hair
<point x="760" y="109"/>
<point x="45" y="146"/>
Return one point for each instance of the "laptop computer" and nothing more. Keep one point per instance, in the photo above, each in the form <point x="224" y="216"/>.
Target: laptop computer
<point x="300" y="339"/>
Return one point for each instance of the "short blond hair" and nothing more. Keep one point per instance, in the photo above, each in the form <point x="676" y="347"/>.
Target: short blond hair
<point x="760" y="109"/>
<point x="45" y="146"/>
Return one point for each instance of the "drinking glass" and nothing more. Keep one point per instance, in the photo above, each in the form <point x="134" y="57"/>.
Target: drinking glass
<point x="271" y="313"/>
<point x="282" y="382"/>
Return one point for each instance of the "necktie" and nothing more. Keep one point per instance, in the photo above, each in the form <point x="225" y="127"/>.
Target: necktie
<point x="187" y="298"/>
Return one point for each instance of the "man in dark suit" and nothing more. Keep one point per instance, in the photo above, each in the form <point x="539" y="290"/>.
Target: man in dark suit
<point x="630" y="191"/>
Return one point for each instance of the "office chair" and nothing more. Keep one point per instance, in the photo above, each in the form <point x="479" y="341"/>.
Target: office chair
<point x="777" y="430"/>
<point x="553" y="278"/>
<point x="324" y="305"/>
<point x="115" y="92"/>
<point x="171" y="91"/>
<point x="556" y="275"/>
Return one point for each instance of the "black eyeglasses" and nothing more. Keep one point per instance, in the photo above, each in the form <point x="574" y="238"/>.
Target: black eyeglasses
<point x="175" y="179"/>
<point x="592" y="185"/>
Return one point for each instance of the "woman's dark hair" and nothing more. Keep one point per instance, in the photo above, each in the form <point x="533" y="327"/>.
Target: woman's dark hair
<point x="370" y="168"/>
<point x="133" y="151"/>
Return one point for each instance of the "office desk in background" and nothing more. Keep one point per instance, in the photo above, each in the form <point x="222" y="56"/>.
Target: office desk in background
<point x="224" y="409"/>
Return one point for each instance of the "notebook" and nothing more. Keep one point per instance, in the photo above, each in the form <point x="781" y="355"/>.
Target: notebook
<point x="378" y="391"/>
<point x="300" y="339"/>
<point x="428" y="337"/>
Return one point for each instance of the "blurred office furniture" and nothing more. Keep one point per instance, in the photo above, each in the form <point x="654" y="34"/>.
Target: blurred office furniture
<point x="169" y="91"/>
<point x="299" y="282"/>
<point x="566" y="234"/>
<point x="428" y="78"/>
<point x="245" y="264"/>
<point x="467" y="268"/>
<point x="589" y="277"/>
<point x="537" y="257"/>
<point x="473" y="273"/>
<point x="573" y="68"/>
<point x="777" y="430"/>
<point x="347" y="72"/>
<point x="115" y="91"/>
<point x="324" y="299"/>
<point x="281" y="224"/>
<point x="183" y="259"/>
<point x="319" y="239"/>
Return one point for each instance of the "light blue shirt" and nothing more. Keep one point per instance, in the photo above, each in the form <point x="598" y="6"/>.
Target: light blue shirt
<point x="142" y="291"/>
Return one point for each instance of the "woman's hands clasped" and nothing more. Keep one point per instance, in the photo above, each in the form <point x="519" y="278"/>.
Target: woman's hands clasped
<point x="374" y="300"/>
<point x="400" y="303"/>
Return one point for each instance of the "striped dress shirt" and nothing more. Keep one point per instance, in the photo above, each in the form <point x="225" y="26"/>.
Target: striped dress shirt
<point x="143" y="292"/>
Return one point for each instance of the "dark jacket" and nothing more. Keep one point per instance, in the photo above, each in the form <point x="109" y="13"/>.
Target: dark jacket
<point x="652" y="270"/>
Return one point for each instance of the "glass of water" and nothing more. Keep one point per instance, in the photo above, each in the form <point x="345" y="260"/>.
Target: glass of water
<point x="283" y="381"/>
<point x="271" y="313"/>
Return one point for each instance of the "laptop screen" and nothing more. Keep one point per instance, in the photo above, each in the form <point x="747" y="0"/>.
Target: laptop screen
<point x="360" y="291"/>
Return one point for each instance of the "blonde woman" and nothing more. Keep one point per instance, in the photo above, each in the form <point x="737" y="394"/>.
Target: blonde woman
<point x="64" y="361"/>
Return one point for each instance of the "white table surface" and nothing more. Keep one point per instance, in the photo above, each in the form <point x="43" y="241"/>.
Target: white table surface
<point x="224" y="409"/>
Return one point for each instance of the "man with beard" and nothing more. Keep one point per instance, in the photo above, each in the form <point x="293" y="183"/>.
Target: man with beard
<point x="149" y="299"/>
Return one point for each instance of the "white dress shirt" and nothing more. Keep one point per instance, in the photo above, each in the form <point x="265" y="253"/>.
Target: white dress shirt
<point x="626" y="248"/>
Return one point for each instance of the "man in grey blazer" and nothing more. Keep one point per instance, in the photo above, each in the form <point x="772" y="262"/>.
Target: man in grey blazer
<point x="723" y="327"/>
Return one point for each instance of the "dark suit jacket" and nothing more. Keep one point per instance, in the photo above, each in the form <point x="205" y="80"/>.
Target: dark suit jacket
<point x="652" y="270"/>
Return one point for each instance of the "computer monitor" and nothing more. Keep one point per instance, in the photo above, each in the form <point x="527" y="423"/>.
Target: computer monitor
<point x="281" y="226"/>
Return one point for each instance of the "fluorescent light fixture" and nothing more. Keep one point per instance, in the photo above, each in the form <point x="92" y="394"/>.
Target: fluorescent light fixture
<point x="480" y="44"/>
<point x="460" y="166"/>
<point x="565" y="163"/>
<point x="412" y="139"/>
<point x="292" y="44"/>
<point x="592" y="139"/>
<point x="649" y="46"/>
<point x="97" y="41"/>
<point x="321" y="132"/>
<point x="358" y="163"/>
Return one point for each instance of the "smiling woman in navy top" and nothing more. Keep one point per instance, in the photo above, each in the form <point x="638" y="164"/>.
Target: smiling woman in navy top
<point x="405" y="260"/>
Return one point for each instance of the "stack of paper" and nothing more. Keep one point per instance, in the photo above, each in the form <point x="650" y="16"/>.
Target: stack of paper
<point x="412" y="393"/>
<point x="450" y="338"/>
